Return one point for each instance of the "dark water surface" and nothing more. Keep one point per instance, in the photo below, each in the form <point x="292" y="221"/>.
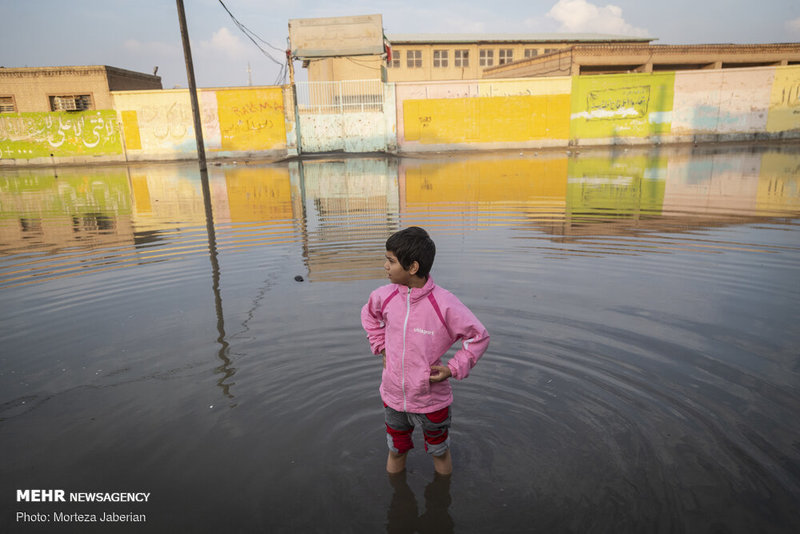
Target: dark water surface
<point x="643" y="373"/>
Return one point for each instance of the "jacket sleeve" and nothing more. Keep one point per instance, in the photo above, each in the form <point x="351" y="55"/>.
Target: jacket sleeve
<point x="372" y="321"/>
<point x="474" y="340"/>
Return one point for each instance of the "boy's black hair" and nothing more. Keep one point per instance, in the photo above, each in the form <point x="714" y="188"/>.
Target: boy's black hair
<point x="410" y="245"/>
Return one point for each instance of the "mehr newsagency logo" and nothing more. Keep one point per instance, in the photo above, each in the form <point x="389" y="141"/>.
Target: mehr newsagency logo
<point x="61" y="496"/>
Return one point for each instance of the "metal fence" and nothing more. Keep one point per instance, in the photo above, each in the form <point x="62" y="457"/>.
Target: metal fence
<point x="350" y="96"/>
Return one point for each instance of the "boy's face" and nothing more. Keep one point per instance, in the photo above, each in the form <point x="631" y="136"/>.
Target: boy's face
<point x="395" y="271"/>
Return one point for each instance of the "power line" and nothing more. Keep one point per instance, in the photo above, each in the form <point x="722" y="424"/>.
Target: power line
<point x="253" y="36"/>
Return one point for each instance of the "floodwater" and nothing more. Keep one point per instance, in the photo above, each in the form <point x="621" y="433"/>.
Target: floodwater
<point x="643" y="373"/>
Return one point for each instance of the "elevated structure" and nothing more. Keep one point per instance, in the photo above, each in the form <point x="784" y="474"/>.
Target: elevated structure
<point x="339" y="48"/>
<point x="610" y="58"/>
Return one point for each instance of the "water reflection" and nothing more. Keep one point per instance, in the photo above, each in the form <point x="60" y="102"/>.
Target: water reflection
<point x="403" y="516"/>
<point x="338" y="211"/>
<point x="643" y="374"/>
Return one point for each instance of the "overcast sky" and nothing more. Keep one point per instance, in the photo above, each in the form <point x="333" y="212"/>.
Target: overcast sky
<point x="140" y="34"/>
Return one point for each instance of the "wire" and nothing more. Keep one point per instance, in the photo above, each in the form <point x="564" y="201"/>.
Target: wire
<point x="253" y="36"/>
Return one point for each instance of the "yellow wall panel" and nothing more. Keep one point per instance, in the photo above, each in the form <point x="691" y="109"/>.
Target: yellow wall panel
<point x="487" y="120"/>
<point x="251" y="119"/>
<point x="784" y="102"/>
<point x="130" y="128"/>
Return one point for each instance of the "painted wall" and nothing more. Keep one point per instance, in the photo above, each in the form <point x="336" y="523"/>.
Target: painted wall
<point x="613" y="106"/>
<point x="236" y="122"/>
<point x="717" y="102"/>
<point x="692" y="106"/>
<point x="61" y="134"/>
<point x="350" y="131"/>
<point x="784" y="100"/>
<point x="496" y="114"/>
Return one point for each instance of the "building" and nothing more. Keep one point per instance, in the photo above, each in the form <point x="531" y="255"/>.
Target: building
<point x="432" y="57"/>
<point x="611" y="58"/>
<point x="421" y="57"/>
<point x="41" y="89"/>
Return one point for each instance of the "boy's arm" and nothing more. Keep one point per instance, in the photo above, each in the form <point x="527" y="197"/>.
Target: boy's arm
<point x="474" y="340"/>
<point x="372" y="321"/>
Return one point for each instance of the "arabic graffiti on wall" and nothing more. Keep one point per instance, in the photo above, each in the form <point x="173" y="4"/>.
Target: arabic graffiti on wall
<point x="251" y="119"/>
<point x="60" y="134"/>
<point x="784" y="102"/>
<point x="721" y="101"/>
<point x="632" y="105"/>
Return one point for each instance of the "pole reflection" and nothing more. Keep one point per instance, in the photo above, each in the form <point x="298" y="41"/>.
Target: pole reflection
<point x="225" y="369"/>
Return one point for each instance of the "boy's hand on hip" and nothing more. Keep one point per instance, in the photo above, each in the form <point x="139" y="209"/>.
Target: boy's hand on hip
<point x="440" y="373"/>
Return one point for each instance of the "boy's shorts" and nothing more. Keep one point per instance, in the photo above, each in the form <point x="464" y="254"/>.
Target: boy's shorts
<point x="435" y="428"/>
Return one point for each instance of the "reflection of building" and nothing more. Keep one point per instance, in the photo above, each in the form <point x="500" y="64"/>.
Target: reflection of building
<point x="37" y="89"/>
<point x="351" y="207"/>
<point x="65" y="211"/>
<point x="612" y="58"/>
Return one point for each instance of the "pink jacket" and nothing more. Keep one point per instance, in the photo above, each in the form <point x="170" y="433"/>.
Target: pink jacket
<point x="417" y="327"/>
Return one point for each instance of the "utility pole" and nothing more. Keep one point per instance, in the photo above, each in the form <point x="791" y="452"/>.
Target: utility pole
<point x="187" y="53"/>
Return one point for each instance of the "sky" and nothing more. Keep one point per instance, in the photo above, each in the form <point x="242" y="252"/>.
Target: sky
<point x="142" y="34"/>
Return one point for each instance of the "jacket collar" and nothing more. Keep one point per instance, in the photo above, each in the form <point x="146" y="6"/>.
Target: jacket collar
<point x="417" y="292"/>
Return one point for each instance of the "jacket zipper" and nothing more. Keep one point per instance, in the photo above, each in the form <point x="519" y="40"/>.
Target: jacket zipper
<point x="403" y="359"/>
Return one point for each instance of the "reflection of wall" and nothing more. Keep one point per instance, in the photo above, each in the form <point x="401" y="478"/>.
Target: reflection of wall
<point x="351" y="207"/>
<point x="779" y="183"/>
<point x="484" y="184"/>
<point x="163" y="194"/>
<point x="263" y="194"/>
<point x="71" y="210"/>
<point x="715" y="184"/>
<point x="621" y="187"/>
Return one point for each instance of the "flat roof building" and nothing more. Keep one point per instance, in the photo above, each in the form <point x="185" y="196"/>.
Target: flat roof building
<point x="463" y="56"/>
<point x="582" y="59"/>
<point x="68" y="88"/>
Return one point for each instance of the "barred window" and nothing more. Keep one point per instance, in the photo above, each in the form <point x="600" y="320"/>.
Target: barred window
<point x="487" y="58"/>
<point x="506" y="56"/>
<point x="70" y="102"/>
<point x="414" y="59"/>
<point x="440" y="58"/>
<point x="531" y="52"/>
<point x="462" y="58"/>
<point x="7" y="104"/>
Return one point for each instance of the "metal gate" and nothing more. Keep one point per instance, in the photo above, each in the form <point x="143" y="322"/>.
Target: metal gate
<point x="342" y="116"/>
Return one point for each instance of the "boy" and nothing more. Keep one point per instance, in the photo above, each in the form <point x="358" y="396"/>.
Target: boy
<point x="412" y="323"/>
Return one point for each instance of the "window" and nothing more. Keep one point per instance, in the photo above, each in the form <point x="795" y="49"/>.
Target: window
<point x="7" y="104"/>
<point x="414" y="59"/>
<point x="394" y="63"/>
<point x="487" y="58"/>
<point x="506" y="56"/>
<point x="548" y="50"/>
<point x="462" y="58"/>
<point x="70" y="102"/>
<point x="531" y="52"/>
<point x="440" y="58"/>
